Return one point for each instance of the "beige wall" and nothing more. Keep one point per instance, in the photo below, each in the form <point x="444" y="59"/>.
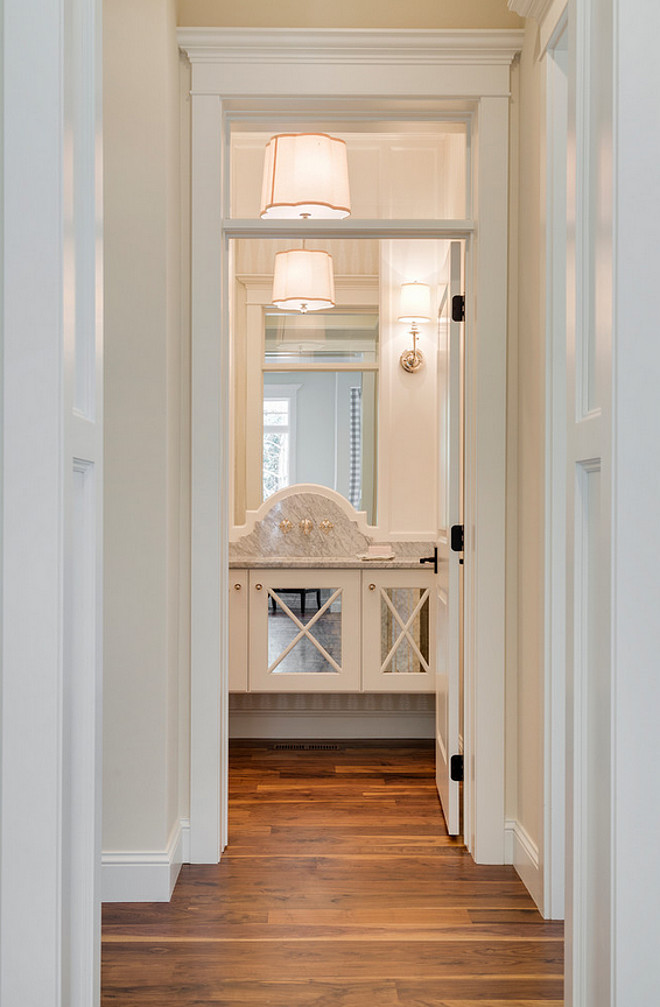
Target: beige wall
<point x="142" y="424"/>
<point x="347" y="14"/>
<point x="526" y="760"/>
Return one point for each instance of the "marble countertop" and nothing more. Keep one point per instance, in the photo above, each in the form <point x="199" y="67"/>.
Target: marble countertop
<point x="325" y="563"/>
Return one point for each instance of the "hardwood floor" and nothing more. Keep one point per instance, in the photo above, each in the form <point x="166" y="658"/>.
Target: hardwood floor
<point x="339" y="888"/>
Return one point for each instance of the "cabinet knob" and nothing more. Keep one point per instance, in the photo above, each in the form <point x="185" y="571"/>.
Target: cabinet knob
<point x="372" y="587"/>
<point x="258" y="586"/>
<point x="237" y="587"/>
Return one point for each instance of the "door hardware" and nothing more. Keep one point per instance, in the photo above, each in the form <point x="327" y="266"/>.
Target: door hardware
<point x="431" y="559"/>
<point x="457" y="538"/>
<point x="456" y="768"/>
<point x="458" y="308"/>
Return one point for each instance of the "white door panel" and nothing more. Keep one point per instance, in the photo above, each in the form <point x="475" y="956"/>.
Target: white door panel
<point x="448" y="587"/>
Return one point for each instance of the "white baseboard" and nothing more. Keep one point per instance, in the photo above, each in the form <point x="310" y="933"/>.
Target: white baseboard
<point x="144" y="876"/>
<point x="521" y="851"/>
<point x="303" y="724"/>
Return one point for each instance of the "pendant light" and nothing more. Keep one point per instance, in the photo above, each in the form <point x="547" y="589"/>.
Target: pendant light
<point x="303" y="280"/>
<point x="305" y="175"/>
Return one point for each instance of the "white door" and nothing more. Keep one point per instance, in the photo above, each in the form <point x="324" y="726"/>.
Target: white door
<point x="51" y="536"/>
<point x="590" y="752"/>
<point x="448" y="664"/>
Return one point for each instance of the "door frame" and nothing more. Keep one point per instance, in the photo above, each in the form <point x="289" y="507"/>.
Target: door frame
<point x="555" y="57"/>
<point x="51" y="527"/>
<point x="468" y="72"/>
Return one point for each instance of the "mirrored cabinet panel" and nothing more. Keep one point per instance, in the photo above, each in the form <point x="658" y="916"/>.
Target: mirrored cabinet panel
<point x="304" y="630"/>
<point x="404" y="630"/>
<point x="398" y="631"/>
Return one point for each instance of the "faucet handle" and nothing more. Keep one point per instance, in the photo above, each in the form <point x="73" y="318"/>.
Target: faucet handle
<point x="326" y="526"/>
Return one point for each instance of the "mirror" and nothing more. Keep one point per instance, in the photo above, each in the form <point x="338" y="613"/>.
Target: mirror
<point x="320" y="425"/>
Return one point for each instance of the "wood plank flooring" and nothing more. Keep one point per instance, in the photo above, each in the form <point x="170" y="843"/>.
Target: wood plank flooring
<point x="340" y="888"/>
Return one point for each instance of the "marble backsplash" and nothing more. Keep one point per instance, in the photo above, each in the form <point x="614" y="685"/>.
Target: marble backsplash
<point x="313" y="526"/>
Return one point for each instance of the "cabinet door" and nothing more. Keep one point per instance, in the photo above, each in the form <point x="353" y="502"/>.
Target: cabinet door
<point x="398" y="630"/>
<point x="238" y="631"/>
<point x="304" y="630"/>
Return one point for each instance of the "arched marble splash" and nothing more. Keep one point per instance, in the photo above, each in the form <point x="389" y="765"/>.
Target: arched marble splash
<point x="342" y="538"/>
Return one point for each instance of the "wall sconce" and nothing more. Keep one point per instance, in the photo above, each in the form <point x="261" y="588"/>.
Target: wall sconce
<point x="415" y="308"/>
<point x="305" y="175"/>
<point x="303" y="280"/>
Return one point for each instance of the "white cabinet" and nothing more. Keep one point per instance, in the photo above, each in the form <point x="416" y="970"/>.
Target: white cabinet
<point x="331" y="630"/>
<point x="238" y="630"/>
<point x="304" y="630"/>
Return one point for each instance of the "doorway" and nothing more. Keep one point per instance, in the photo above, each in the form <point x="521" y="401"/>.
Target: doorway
<point x="218" y="97"/>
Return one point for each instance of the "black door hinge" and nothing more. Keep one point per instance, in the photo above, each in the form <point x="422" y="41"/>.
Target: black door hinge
<point x="457" y="538"/>
<point x="458" y="308"/>
<point x="456" y="768"/>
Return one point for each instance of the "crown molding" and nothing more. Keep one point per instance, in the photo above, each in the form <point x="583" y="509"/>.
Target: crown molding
<point x="357" y="46"/>
<point x="530" y="8"/>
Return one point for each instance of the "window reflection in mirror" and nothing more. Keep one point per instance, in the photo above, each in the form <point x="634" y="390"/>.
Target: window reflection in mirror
<point x="321" y="427"/>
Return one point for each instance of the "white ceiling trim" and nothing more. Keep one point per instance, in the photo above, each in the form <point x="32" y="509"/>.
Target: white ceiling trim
<point x="530" y="8"/>
<point x="358" y="46"/>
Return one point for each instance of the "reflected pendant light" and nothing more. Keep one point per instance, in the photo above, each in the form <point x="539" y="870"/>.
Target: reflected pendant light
<point x="415" y="307"/>
<point x="305" y="175"/>
<point x="303" y="280"/>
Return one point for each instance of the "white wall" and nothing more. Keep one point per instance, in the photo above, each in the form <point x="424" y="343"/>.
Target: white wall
<point x="142" y="438"/>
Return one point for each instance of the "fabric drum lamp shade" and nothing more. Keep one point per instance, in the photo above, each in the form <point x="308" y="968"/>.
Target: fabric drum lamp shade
<point x="415" y="305"/>
<point x="305" y="175"/>
<point x="303" y="280"/>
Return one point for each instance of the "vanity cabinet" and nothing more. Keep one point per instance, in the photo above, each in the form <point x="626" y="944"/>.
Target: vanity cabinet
<point x="331" y="630"/>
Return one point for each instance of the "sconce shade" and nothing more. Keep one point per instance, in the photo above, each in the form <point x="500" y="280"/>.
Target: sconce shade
<point x="303" y="280"/>
<point x="305" y="175"/>
<point x="415" y="303"/>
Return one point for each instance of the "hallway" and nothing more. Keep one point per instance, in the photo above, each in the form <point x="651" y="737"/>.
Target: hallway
<point x="339" y="888"/>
